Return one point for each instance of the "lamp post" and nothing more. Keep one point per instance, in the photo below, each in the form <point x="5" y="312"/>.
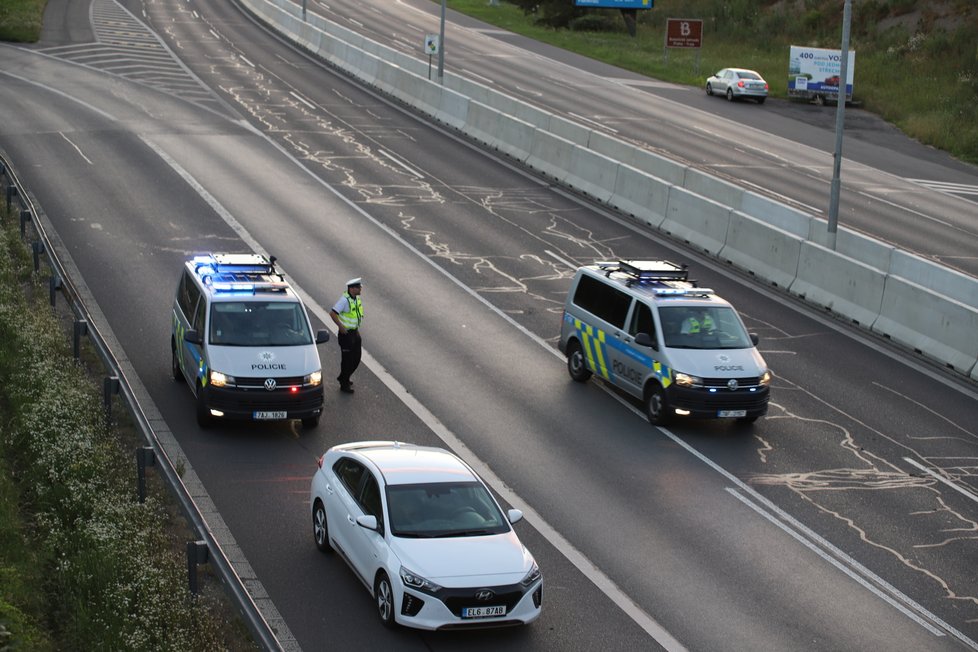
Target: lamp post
<point x="441" y="45"/>
<point x="840" y="113"/>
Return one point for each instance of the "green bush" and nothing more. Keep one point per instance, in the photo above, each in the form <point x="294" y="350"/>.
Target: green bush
<point x="596" y="23"/>
<point x="113" y="578"/>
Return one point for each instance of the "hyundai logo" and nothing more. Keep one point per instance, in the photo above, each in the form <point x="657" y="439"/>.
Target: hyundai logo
<point x="484" y="595"/>
<point x="731" y="384"/>
<point x="270" y="384"/>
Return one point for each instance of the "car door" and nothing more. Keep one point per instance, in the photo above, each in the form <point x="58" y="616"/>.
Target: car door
<point x="340" y="503"/>
<point x="633" y="360"/>
<point x="194" y="352"/>
<point x="366" y="546"/>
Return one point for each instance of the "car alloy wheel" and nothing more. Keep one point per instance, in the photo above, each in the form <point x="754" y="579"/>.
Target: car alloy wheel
<point x="384" y="593"/>
<point x="320" y="528"/>
<point x="729" y="95"/>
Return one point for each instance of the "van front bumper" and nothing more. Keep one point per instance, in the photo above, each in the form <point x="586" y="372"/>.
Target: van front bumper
<point x="257" y="403"/>
<point x="718" y="402"/>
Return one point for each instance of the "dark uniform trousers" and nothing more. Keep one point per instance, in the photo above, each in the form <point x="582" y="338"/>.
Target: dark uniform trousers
<point x="350" y="350"/>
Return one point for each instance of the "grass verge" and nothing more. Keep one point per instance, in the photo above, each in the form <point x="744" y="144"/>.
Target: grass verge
<point x="83" y="564"/>
<point x="924" y="81"/>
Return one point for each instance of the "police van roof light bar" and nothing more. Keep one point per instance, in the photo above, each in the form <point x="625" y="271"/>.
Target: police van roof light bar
<point x="646" y="270"/>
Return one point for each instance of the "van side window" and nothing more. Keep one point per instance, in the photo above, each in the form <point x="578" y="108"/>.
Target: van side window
<point x="197" y="320"/>
<point x="188" y="295"/>
<point x="642" y="321"/>
<point x="603" y="301"/>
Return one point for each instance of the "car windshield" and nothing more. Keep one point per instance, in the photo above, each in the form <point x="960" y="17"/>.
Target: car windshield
<point x="259" y="323"/>
<point x="444" y="509"/>
<point x="748" y="75"/>
<point x="705" y="327"/>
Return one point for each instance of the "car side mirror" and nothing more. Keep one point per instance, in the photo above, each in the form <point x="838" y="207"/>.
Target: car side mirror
<point x="754" y="338"/>
<point x="514" y="515"/>
<point x="367" y="521"/>
<point x="322" y="336"/>
<point x="193" y="337"/>
<point x="644" y="339"/>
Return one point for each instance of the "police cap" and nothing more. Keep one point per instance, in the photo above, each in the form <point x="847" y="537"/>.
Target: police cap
<point x="354" y="282"/>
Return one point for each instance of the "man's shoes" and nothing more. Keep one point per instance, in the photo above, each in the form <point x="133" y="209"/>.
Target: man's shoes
<point x="346" y="389"/>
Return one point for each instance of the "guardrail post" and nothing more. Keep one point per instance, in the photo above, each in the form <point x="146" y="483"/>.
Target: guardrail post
<point x="38" y="248"/>
<point x="55" y="285"/>
<point x="11" y="193"/>
<point x="80" y="328"/>
<point x="197" y="553"/>
<point x="144" y="457"/>
<point x="110" y="387"/>
<point x="25" y="217"/>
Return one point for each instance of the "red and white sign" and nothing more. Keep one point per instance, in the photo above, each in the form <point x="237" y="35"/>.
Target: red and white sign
<point x="684" y="33"/>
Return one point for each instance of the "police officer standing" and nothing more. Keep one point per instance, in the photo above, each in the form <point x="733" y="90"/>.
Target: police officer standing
<point x="347" y="314"/>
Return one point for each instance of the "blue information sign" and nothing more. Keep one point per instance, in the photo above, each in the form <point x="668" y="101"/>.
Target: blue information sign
<point x="615" y="4"/>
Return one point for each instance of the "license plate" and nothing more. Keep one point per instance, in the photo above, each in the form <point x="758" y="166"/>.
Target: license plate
<point x="732" y="413"/>
<point x="264" y="416"/>
<point x="483" y="612"/>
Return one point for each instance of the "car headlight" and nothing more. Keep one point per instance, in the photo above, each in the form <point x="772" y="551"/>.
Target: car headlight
<point x="314" y="379"/>
<point x="416" y="582"/>
<point x="765" y="379"/>
<point x="687" y="380"/>
<point x="220" y="380"/>
<point x="531" y="577"/>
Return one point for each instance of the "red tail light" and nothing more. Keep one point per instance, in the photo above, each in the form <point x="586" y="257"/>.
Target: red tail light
<point x="319" y="461"/>
<point x="740" y="83"/>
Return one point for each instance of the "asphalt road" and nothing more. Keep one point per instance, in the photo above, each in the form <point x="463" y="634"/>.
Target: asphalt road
<point x="812" y="530"/>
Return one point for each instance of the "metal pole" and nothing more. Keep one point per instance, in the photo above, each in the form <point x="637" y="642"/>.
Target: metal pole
<point x="441" y="45"/>
<point x="840" y="114"/>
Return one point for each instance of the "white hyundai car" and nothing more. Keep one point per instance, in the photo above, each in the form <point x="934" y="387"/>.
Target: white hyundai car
<point x="426" y="537"/>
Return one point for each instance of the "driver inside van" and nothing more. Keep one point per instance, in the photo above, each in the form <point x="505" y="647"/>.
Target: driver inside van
<point x="698" y="321"/>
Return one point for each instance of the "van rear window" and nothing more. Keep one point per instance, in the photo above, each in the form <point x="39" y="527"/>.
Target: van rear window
<point x="603" y="301"/>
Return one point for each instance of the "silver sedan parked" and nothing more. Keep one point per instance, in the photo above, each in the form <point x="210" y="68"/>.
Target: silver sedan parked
<point x="736" y="83"/>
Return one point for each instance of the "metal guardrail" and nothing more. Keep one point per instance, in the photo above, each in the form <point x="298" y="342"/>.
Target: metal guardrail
<point x="207" y="549"/>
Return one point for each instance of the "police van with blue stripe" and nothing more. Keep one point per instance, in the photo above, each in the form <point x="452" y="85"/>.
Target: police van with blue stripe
<point x="644" y="327"/>
<point x="242" y="341"/>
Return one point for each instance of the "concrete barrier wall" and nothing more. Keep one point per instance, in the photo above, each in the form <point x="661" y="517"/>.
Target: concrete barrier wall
<point x="764" y="251"/>
<point x="718" y="190"/>
<point x="776" y="214"/>
<point x="776" y="243"/>
<point x="935" y="326"/>
<point x="644" y="198"/>
<point x="934" y="277"/>
<point x="592" y="173"/>
<point x="577" y="134"/>
<point x="498" y="131"/>
<point x="641" y="159"/>
<point x="843" y="285"/>
<point x="696" y="220"/>
<point x="550" y="155"/>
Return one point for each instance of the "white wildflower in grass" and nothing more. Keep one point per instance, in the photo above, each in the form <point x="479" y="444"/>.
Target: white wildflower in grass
<point x="114" y="578"/>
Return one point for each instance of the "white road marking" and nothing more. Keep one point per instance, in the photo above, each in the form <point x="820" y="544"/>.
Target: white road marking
<point x="77" y="148"/>
<point x="835" y="562"/>
<point x="941" y="479"/>
<point x="397" y="161"/>
<point x="588" y="569"/>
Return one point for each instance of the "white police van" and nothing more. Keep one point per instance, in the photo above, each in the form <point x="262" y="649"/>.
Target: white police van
<point x="644" y="327"/>
<point x="243" y="342"/>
